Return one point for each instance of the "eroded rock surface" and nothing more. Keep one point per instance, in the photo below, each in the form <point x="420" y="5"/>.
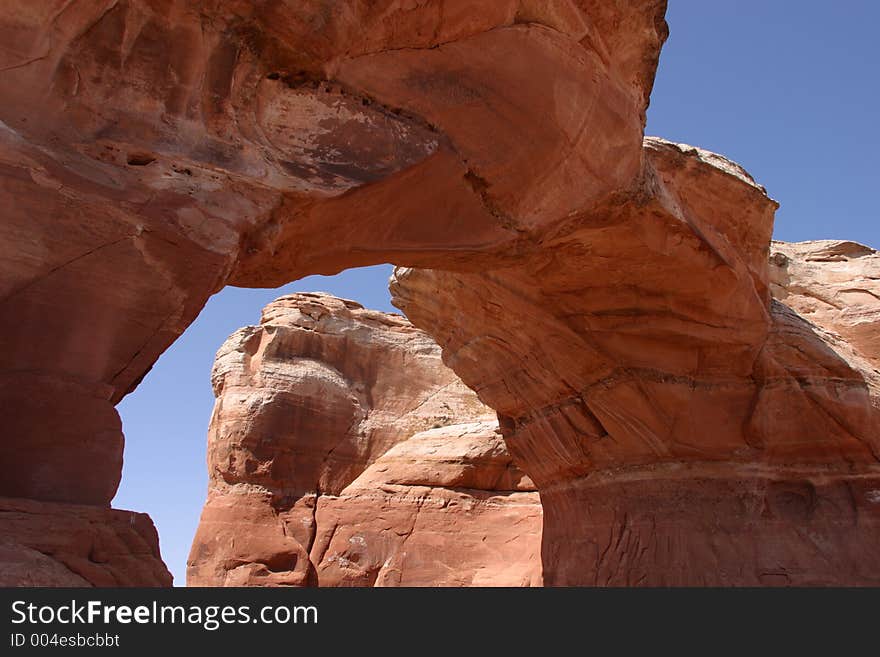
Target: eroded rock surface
<point x="48" y="544"/>
<point x="446" y="507"/>
<point x="682" y="429"/>
<point x="834" y="284"/>
<point x="609" y="296"/>
<point x="153" y="151"/>
<point x="320" y="472"/>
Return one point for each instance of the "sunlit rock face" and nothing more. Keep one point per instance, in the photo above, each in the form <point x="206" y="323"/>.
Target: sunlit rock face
<point x="681" y="427"/>
<point x="607" y="295"/>
<point x="446" y="507"/>
<point x="338" y="456"/>
<point x="153" y="151"/>
<point x="834" y="284"/>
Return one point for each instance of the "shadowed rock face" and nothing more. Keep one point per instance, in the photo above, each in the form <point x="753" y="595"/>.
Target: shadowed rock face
<point x="608" y="296"/>
<point x="337" y="457"/>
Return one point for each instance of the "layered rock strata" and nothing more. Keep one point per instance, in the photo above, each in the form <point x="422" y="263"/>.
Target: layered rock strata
<point x="834" y="284"/>
<point x="337" y="456"/>
<point x="70" y="545"/>
<point x="609" y="296"/>
<point x="152" y="151"/>
<point x="681" y="427"/>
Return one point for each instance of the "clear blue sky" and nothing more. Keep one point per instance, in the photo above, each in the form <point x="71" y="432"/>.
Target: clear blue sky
<point x="790" y="90"/>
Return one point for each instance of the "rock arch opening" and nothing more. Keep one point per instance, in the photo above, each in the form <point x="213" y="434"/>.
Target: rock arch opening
<point x="607" y="294"/>
<point x="166" y="419"/>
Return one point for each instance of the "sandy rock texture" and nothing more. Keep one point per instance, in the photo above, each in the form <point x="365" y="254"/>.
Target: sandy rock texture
<point x="835" y="285"/>
<point x="337" y="456"/>
<point x="682" y="427"/>
<point x="153" y="151"/>
<point x="607" y="294"/>
<point x="70" y="545"/>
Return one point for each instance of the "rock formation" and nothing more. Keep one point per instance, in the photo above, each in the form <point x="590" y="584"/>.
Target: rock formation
<point x="70" y="545"/>
<point x="835" y="285"/>
<point x="607" y="295"/>
<point x="682" y="429"/>
<point x="152" y="152"/>
<point x="310" y="482"/>
<point x="444" y="508"/>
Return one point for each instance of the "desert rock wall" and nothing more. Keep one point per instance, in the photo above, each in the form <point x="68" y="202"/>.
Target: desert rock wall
<point x="340" y="454"/>
<point x="608" y="295"/>
<point x="642" y="346"/>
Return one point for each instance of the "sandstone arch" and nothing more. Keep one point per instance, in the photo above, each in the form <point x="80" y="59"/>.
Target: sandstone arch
<point x="605" y="294"/>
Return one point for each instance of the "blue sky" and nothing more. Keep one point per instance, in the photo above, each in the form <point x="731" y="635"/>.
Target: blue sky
<point x="788" y="89"/>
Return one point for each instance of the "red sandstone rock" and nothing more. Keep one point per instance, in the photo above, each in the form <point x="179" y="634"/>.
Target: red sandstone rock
<point x="46" y="544"/>
<point x="835" y="285"/>
<point x="609" y="298"/>
<point x="641" y="346"/>
<point x="151" y="152"/>
<point x="306" y="401"/>
<point x="444" y="508"/>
